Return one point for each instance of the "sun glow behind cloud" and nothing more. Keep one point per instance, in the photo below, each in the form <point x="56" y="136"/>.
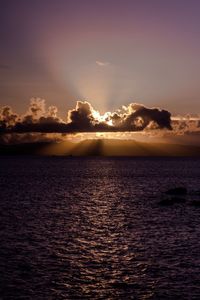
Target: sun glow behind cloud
<point x="130" y="122"/>
<point x="83" y="76"/>
<point x="133" y="50"/>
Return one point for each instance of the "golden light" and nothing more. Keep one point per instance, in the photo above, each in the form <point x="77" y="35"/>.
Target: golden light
<point x="102" y="118"/>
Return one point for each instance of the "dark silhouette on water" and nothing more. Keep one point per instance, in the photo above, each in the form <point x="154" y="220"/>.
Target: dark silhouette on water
<point x="195" y="203"/>
<point x="177" y="191"/>
<point x="174" y="195"/>
<point x="172" y="200"/>
<point x="179" y="195"/>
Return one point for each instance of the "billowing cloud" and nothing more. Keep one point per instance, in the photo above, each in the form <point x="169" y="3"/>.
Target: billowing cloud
<point x="138" y="117"/>
<point x="186" y="125"/>
<point x="36" y="119"/>
<point x="41" y="124"/>
<point x="83" y="118"/>
<point x="8" y="119"/>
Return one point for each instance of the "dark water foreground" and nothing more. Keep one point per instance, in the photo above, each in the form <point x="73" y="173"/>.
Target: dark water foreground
<point x="91" y="228"/>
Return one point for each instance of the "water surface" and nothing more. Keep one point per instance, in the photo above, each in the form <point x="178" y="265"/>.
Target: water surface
<point x="91" y="228"/>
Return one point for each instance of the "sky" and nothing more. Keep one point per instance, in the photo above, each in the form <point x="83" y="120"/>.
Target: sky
<point x="109" y="52"/>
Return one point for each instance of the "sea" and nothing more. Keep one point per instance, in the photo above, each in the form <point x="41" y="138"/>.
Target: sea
<point x="94" y="228"/>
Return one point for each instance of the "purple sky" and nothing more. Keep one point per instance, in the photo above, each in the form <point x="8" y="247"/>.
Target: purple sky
<point x="109" y="52"/>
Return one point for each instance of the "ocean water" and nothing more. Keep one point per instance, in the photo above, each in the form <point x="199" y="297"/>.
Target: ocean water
<point x="92" y="228"/>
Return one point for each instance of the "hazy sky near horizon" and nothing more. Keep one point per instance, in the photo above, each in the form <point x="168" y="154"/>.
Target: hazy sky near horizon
<point x="109" y="52"/>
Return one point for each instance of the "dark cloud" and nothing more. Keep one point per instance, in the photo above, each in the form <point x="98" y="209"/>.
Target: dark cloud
<point x="29" y="137"/>
<point x="135" y="117"/>
<point x="139" y="117"/>
<point x="36" y="119"/>
<point x="83" y="118"/>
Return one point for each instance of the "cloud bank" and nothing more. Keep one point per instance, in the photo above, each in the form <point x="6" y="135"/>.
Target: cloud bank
<point x="83" y="118"/>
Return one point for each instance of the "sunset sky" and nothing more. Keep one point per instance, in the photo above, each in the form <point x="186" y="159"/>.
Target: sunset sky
<point x="108" y="52"/>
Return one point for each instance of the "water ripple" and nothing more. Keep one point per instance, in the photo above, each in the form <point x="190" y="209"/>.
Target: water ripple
<point x="92" y="229"/>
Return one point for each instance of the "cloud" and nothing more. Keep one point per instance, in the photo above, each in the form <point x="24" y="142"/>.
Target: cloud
<point x="134" y="117"/>
<point x="36" y="119"/>
<point x="102" y="63"/>
<point x="41" y="123"/>
<point x="83" y="118"/>
<point x="29" y="137"/>
<point x="137" y="117"/>
<point x="186" y="125"/>
<point x="8" y="119"/>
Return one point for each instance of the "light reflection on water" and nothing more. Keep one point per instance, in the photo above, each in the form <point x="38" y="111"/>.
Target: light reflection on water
<point x="92" y="229"/>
